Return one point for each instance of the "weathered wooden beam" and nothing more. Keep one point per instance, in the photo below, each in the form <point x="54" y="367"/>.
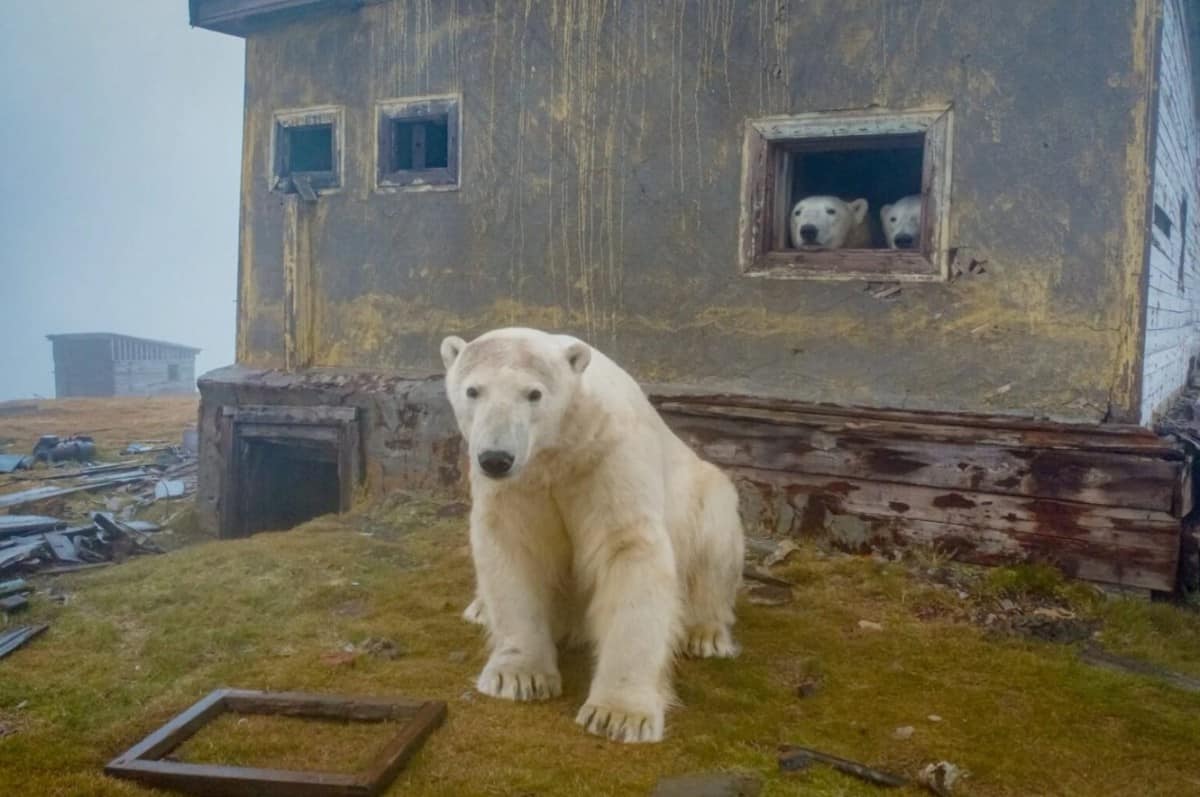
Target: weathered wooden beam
<point x="1122" y="546"/>
<point x="1101" y="478"/>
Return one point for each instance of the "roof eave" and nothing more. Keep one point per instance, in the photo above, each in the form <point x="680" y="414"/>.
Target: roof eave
<point x="245" y="17"/>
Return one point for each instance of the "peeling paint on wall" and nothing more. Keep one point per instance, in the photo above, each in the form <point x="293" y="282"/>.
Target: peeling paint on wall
<point x="601" y="165"/>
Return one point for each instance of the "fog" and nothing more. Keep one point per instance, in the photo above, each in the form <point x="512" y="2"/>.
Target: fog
<point x="121" y="141"/>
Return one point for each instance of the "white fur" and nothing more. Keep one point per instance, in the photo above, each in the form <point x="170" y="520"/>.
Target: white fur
<point x="902" y="218"/>
<point x="608" y="529"/>
<point x="838" y="224"/>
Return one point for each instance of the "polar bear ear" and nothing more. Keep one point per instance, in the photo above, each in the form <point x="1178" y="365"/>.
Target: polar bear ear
<point x="579" y="354"/>
<point x="860" y="207"/>
<point x="451" y="348"/>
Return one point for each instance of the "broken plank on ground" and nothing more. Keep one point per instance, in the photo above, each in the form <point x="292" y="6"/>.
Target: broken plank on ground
<point x="36" y="494"/>
<point x="11" y="640"/>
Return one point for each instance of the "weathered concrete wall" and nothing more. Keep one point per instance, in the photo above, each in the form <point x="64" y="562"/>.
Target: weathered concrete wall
<point x="82" y="368"/>
<point x="409" y="438"/>
<point x="153" y="377"/>
<point x="601" y="167"/>
<point x="1173" y="295"/>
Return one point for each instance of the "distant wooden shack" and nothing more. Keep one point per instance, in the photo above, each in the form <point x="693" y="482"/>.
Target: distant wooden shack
<point x="107" y="364"/>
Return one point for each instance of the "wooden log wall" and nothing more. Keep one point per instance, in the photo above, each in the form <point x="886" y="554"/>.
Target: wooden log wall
<point x="1104" y="503"/>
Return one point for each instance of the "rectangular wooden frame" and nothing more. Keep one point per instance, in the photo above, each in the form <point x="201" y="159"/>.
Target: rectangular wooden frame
<point x="280" y="178"/>
<point x="143" y="762"/>
<point x="387" y="113"/>
<point x="766" y="163"/>
<point x="334" y="427"/>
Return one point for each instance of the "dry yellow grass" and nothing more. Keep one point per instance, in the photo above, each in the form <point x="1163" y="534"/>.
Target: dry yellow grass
<point x="139" y="642"/>
<point x="113" y="422"/>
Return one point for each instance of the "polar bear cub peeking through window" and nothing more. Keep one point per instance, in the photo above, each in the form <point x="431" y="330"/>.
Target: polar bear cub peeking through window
<point x="830" y="223"/>
<point x="902" y="223"/>
<point x="591" y="522"/>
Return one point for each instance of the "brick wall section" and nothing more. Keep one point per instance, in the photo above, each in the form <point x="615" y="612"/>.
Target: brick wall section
<point x="1173" y="312"/>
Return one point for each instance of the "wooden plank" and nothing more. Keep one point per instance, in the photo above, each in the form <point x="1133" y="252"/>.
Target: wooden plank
<point x="913" y="426"/>
<point x="844" y="264"/>
<point x="1131" y="547"/>
<point x="321" y="415"/>
<point x="1065" y="474"/>
<point x="702" y="400"/>
<point x="1131" y="528"/>
<point x="302" y="704"/>
<point x="221" y="781"/>
<point x="177" y="730"/>
<point x="404" y="746"/>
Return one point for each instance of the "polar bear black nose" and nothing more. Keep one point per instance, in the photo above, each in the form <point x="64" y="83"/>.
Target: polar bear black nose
<point x="496" y="463"/>
<point x="808" y="233"/>
<point x="904" y="241"/>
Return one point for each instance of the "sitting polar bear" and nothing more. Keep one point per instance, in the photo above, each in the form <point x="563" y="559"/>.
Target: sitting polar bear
<point x="902" y="223"/>
<point x="590" y="520"/>
<point x="831" y="223"/>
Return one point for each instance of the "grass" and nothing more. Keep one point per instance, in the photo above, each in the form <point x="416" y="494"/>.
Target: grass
<point x="113" y="422"/>
<point x="137" y="643"/>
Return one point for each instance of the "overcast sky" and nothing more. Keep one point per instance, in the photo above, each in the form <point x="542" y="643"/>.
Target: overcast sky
<point x="121" y="132"/>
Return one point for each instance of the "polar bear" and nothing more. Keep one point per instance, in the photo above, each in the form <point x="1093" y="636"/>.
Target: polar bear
<point x="902" y="223"/>
<point x="590" y="520"/>
<point x="831" y="223"/>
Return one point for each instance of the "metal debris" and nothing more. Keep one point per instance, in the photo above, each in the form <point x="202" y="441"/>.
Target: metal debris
<point x="24" y="524"/>
<point x="49" y="448"/>
<point x="794" y="759"/>
<point x="12" y="462"/>
<point x="35" y="494"/>
<point x="169" y="488"/>
<point x="11" y="640"/>
<point x="14" y="603"/>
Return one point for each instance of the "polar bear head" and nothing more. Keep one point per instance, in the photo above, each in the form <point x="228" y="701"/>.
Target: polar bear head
<point x="510" y="390"/>
<point x="902" y="223"/>
<point x="825" y="221"/>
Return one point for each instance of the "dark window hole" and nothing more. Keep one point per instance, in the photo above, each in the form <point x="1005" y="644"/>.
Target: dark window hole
<point x="309" y="148"/>
<point x="419" y="144"/>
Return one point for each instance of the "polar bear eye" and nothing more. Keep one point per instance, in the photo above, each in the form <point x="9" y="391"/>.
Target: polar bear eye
<point x="535" y="395"/>
<point x="472" y="392"/>
<point x="831" y="211"/>
<point x="893" y="219"/>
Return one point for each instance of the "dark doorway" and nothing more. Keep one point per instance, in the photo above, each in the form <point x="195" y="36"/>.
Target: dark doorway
<point x="286" y="465"/>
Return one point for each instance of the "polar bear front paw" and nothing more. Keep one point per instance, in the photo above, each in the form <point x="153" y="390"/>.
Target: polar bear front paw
<point x="516" y="684"/>
<point x="621" y="725"/>
<point x="709" y="642"/>
<point x="474" y="613"/>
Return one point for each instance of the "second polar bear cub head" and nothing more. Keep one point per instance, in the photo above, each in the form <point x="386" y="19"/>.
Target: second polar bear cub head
<point x="902" y="223"/>
<point x="829" y="222"/>
<point x="510" y="390"/>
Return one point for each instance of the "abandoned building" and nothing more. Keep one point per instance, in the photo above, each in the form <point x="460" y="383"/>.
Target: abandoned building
<point x="107" y="364"/>
<point x="624" y="171"/>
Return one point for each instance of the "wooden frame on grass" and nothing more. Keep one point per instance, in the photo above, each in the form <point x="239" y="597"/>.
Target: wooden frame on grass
<point x="143" y="762"/>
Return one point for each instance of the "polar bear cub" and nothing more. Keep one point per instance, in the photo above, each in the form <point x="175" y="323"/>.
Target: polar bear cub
<point x="902" y="223"/>
<point x="831" y="223"/>
<point x="590" y="520"/>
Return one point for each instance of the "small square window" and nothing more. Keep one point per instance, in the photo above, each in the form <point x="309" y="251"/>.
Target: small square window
<point x="172" y="373"/>
<point x="306" y="150"/>
<point x="848" y="167"/>
<point x="418" y="144"/>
